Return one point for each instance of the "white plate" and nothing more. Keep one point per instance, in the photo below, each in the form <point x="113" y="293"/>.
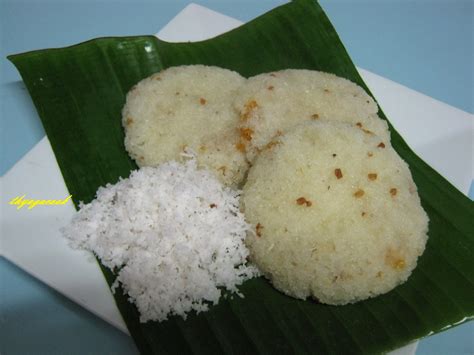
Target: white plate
<point x="440" y="134"/>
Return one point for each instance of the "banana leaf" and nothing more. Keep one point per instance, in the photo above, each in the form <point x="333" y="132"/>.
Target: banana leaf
<point x="79" y="91"/>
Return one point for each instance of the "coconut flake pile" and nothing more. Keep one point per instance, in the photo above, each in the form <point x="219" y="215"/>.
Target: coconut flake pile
<point x="175" y="234"/>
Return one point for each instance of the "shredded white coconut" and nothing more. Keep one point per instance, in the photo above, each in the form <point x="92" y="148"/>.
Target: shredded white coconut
<point x="174" y="233"/>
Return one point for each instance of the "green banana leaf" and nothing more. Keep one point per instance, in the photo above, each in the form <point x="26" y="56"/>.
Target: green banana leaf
<point x="79" y="92"/>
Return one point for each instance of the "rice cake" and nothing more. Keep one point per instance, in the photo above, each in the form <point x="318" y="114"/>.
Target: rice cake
<point x="269" y="104"/>
<point x="336" y="214"/>
<point x="186" y="108"/>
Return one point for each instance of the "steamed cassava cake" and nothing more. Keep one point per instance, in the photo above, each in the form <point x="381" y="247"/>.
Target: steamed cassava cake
<point x="270" y="104"/>
<point x="336" y="214"/>
<point x="186" y="108"/>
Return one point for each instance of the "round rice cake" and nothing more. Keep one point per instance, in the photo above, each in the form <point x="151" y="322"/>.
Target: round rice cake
<point x="269" y="104"/>
<point x="186" y="108"/>
<point x="336" y="214"/>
